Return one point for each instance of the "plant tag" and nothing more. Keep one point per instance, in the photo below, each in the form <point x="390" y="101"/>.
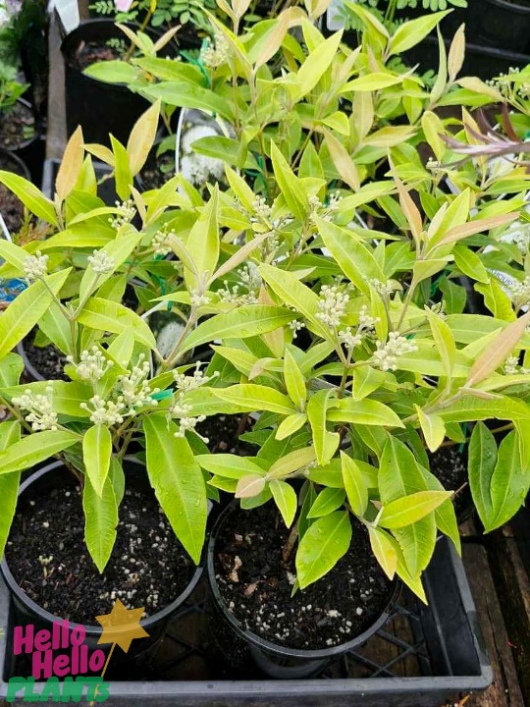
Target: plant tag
<point x="68" y="11"/>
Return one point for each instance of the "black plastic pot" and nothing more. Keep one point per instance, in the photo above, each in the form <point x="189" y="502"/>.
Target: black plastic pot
<point x="499" y="24"/>
<point x="31" y="151"/>
<point x="28" y="612"/>
<point x="99" y="107"/>
<point x="273" y="660"/>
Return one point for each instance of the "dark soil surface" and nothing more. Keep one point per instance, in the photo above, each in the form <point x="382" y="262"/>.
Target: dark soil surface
<point x="17" y="125"/>
<point x="47" y="360"/>
<point x="10" y="205"/>
<point x="222" y="432"/>
<point x="449" y="465"/>
<point x="158" y="170"/>
<point x="47" y="556"/>
<point x="88" y="53"/>
<point x="256" y="585"/>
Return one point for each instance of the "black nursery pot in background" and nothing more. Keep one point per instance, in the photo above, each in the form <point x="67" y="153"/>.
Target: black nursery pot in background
<point x="99" y="107"/>
<point x="499" y="24"/>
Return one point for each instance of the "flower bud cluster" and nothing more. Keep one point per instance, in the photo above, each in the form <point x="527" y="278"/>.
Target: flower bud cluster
<point x="215" y="53"/>
<point x="105" y="412"/>
<point x="386" y="354"/>
<point x="92" y="365"/>
<point x="40" y="408"/>
<point x="351" y="339"/>
<point x="161" y="243"/>
<point x="332" y="305"/>
<point x="135" y="390"/>
<point x="35" y="266"/>
<point x="101" y="263"/>
<point x="126" y="213"/>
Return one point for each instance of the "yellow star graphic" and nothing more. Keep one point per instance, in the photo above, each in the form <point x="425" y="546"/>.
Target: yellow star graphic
<point x="121" y="626"/>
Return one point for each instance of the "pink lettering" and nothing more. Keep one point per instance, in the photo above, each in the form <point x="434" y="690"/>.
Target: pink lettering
<point x="23" y="639"/>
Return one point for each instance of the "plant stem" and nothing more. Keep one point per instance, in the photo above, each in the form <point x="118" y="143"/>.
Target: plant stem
<point x="288" y="548"/>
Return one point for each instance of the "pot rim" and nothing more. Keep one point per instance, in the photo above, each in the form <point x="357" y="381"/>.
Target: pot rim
<point x="25" y="143"/>
<point x="514" y="6"/>
<point x="285" y="651"/>
<point x="11" y="154"/>
<point x="91" y="631"/>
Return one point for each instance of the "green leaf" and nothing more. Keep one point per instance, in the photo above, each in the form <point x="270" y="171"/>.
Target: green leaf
<point x="34" y="449"/>
<point x="365" y="380"/>
<point x="26" y="310"/>
<point x="364" y="412"/>
<point x="286" y="499"/>
<point x="411" y="33"/>
<point x="230" y="466"/>
<point x="291" y="291"/>
<point x="177" y="480"/>
<point x="104" y="315"/>
<point x="316" y="64"/>
<point x="355" y="259"/>
<point x="97" y="451"/>
<point x="385" y="550"/>
<point x="9" y="484"/>
<point x="510" y="482"/>
<point x="354" y="484"/>
<point x="294" y="381"/>
<point x="55" y="326"/>
<point x="470" y="264"/>
<point x="203" y="244"/>
<point x="253" y="398"/>
<point x="410" y="509"/>
<point x="322" y="546"/>
<point x="327" y="501"/>
<point x="186" y="95"/>
<point x="471" y="409"/>
<point x="250" y="486"/>
<point x="11" y="368"/>
<point x="101" y="521"/>
<point x="290" y="425"/>
<point x="112" y="72"/>
<point x="444" y="340"/>
<point x="122" y="170"/>
<point x="30" y="196"/>
<point x="142" y="137"/>
<point x="289" y="463"/>
<point x="290" y="185"/>
<point x="326" y="443"/>
<point x="240" y="323"/>
<point x="482" y="458"/>
<point x="117" y="479"/>
<point x="433" y="428"/>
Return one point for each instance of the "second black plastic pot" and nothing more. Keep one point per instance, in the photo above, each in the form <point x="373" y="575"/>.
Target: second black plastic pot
<point x="499" y="24"/>
<point x="276" y="661"/>
<point x="99" y="107"/>
<point x="28" y="612"/>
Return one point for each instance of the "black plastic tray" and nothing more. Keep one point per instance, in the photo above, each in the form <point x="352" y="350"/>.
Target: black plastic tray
<point x="439" y="647"/>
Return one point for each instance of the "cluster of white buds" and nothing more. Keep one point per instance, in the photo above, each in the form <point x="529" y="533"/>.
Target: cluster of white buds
<point x="197" y="379"/>
<point x="384" y="289"/>
<point x="512" y="368"/>
<point x="433" y="165"/>
<point x="216" y="53"/>
<point x="351" y="339"/>
<point x="187" y="422"/>
<point x="40" y="409"/>
<point x="232" y="295"/>
<point x="161" y="243"/>
<point x="101" y="263"/>
<point x="92" y="365"/>
<point x="332" y="305"/>
<point x="295" y="326"/>
<point x="35" y="266"/>
<point x="249" y="274"/>
<point x="199" y="299"/>
<point x="261" y="210"/>
<point x="324" y="211"/>
<point x="520" y="291"/>
<point x="103" y="412"/>
<point x="135" y="390"/>
<point x="126" y="213"/>
<point x="386" y="355"/>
